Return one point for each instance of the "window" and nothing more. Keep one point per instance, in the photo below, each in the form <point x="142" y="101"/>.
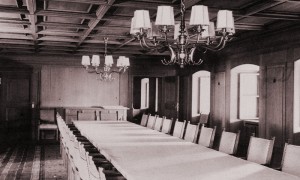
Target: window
<point x="201" y="93"/>
<point x="244" y="92"/>
<point x="248" y="96"/>
<point x="145" y="93"/>
<point x="297" y="97"/>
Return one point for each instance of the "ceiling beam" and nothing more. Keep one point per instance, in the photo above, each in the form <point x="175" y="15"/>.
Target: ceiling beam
<point x="58" y="39"/>
<point x="100" y="13"/>
<point x="137" y="5"/>
<point x="31" y="7"/>
<point x="97" y="2"/>
<point x="59" y="33"/>
<point x="278" y="16"/>
<point x="13" y="10"/>
<point x="15" y="41"/>
<point x="15" y="36"/>
<point x="258" y="8"/>
<point x="62" y="25"/>
<point x="65" y="14"/>
<point x="14" y="22"/>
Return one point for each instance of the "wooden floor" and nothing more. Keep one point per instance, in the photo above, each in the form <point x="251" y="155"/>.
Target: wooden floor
<point x="31" y="162"/>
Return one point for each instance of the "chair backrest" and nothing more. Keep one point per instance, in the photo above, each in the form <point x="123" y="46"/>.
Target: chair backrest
<point x="229" y="142"/>
<point x="158" y="123"/>
<point x="83" y="166"/>
<point x="191" y="132"/>
<point x="207" y="136"/>
<point x="144" y="120"/>
<point x="86" y="115"/>
<point x="47" y="115"/>
<point x="166" y="125"/>
<point x="93" y="171"/>
<point x="203" y="118"/>
<point x="151" y="121"/>
<point x="260" y="150"/>
<point x="291" y="159"/>
<point x="178" y="128"/>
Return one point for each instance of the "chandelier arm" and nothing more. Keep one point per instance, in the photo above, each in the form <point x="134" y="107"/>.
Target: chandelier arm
<point x="152" y="47"/>
<point x="220" y="46"/>
<point x="215" y="48"/>
<point x="172" y="59"/>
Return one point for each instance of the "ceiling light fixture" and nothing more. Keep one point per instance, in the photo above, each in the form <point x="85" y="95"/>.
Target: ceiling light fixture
<point x="105" y="74"/>
<point x="182" y="48"/>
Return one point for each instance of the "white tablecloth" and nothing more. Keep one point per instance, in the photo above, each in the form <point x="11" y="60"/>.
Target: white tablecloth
<point x="140" y="153"/>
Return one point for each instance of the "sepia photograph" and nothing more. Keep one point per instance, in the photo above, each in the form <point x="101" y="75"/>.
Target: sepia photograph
<point x="149" y="89"/>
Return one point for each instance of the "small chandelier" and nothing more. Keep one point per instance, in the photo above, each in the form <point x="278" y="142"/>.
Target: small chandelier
<point x="105" y="74"/>
<point x="183" y="47"/>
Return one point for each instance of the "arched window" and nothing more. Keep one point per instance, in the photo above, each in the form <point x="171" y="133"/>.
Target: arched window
<point x="297" y="97"/>
<point x="244" y="88"/>
<point x="200" y="93"/>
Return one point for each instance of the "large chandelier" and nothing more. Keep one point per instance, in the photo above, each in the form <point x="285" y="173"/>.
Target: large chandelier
<point x="204" y="34"/>
<point x="106" y="72"/>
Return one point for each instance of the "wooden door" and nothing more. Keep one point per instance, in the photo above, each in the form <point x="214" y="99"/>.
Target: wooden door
<point x="170" y="101"/>
<point x="275" y="105"/>
<point x="15" y="106"/>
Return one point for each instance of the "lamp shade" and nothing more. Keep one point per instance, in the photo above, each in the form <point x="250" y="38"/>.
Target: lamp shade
<point x="225" y="21"/>
<point x="141" y="19"/>
<point x="123" y="61"/>
<point x="133" y="30"/>
<point x="95" y="60"/>
<point x="85" y="61"/>
<point x="165" y="16"/>
<point x="120" y="61"/>
<point x="126" y="62"/>
<point x="199" y="16"/>
<point x="109" y="60"/>
<point x="209" y="31"/>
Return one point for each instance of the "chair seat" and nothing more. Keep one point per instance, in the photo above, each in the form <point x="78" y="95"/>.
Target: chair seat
<point x="47" y="126"/>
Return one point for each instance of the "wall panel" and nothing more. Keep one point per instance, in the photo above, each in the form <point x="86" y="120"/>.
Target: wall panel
<point x="275" y="104"/>
<point x="71" y="86"/>
<point x="218" y="101"/>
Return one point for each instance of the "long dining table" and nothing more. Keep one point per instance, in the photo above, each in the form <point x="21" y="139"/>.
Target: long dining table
<point x="140" y="153"/>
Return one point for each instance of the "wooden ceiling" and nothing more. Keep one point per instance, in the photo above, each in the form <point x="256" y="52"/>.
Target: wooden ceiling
<point x="77" y="27"/>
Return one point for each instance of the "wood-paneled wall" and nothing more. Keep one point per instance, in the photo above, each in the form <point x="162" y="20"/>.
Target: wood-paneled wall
<point x="71" y="86"/>
<point x="276" y="62"/>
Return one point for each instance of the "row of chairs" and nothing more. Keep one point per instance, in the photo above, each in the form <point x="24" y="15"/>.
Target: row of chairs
<point x="259" y="150"/>
<point x="82" y="160"/>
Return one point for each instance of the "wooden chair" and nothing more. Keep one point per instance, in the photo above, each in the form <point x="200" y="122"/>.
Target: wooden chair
<point x="229" y="142"/>
<point x="158" y="123"/>
<point x="207" y="136"/>
<point x="166" y="125"/>
<point x="179" y="128"/>
<point x="100" y="171"/>
<point x="144" y="120"/>
<point x="191" y="132"/>
<point x="260" y="150"/>
<point x="47" y="123"/>
<point x="291" y="159"/>
<point x="151" y="121"/>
